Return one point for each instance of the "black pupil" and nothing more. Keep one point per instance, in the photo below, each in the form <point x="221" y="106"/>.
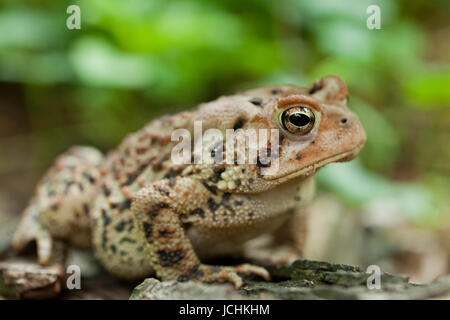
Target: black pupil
<point x="299" y="119"/>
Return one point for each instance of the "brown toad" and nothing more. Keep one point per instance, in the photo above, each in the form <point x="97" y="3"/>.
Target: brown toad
<point x="143" y="213"/>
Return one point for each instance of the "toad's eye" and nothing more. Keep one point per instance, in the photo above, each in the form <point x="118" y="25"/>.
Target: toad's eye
<point x="298" y="120"/>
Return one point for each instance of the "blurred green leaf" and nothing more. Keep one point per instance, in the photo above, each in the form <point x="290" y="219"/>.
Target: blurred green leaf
<point x="352" y="182"/>
<point x="428" y="88"/>
<point x="380" y="198"/>
<point x="383" y="141"/>
<point x="26" y="28"/>
<point x="98" y="63"/>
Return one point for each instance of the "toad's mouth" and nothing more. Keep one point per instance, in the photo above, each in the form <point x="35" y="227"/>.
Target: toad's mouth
<point x="311" y="169"/>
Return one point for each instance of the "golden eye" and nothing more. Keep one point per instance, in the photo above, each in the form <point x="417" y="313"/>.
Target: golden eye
<point x="298" y="120"/>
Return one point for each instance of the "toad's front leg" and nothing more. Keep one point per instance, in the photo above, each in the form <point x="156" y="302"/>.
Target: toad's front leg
<point x="160" y="210"/>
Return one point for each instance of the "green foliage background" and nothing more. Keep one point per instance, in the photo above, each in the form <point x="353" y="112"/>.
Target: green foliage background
<point x="137" y="59"/>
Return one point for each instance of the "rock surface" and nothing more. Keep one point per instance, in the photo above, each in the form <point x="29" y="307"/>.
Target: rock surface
<point x="21" y="279"/>
<point x="304" y="279"/>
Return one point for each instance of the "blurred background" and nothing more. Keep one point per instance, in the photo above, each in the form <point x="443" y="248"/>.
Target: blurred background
<point x="138" y="59"/>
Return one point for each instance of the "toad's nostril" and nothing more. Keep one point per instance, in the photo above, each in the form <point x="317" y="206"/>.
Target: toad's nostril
<point x="344" y="120"/>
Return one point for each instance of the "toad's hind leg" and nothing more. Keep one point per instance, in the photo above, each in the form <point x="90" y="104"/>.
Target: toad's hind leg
<point x="61" y="204"/>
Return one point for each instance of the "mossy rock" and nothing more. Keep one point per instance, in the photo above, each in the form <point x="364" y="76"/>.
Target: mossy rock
<point x="303" y="280"/>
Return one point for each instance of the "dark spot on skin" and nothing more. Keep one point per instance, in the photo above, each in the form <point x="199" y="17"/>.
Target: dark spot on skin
<point x="86" y="209"/>
<point x="212" y="205"/>
<point x="281" y="138"/>
<point x="212" y="189"/>
<point x="165" y="157"/>
<point x="251" y="213"/>
<point x="126" y="239"/>
<point x="216" y="269"/>
<point x="195" y="272"/>
<point x="239" y="123"/>
<point x="250" y="180"/>
<point x="153" y="214"/>
<point x="121" y="226"/>
<point x="130" y="225"/>
<point x="163" y="233"/>
<point x="168" y="258"/>
<point x="256" y="101"/>
<point x="238" y="202"/>
<point x="172" y="173"/>
<point x="264" y="160"/>
<point x="297" y="198"/>
<point x="237" y="182"/>
<point x="229" y="208"/>
<point x="132" y="177"/>
<point x="51" y="193"/>
<point x="225" y="220"/>
<point x="140" y="249"/>
<point x="141" y="150"/>
<point x="68" y="185"/>
<point x="157" y="165"/>
<point x="106" y="191"/>
<point x="113" y="248"/>
<point x="147" y="230"/>
<point x="275" y="91"/>
<point x="157" y="207"/>
<point x="121" y="206"/>
<point x="104" y="239"/>
<point x="183" y="278"/>
<point x="217" y="172"/>
<point x="315" y="87"/>
<point x="115" y="172"/>
<point x="226" y="196"/>
<point x="198" y="211"/>
<point x="106" y="218"/>
<point x="154" y="141"/>
<point x="172" y="182"/>
<point x="298" y="156"/>
<point x="54" y="206"/>
<point x="162" y="191"/>
<point x="122" y="253"/>
<point x="313" y="141"/>
<point x="88" y="177"/>
<point x="80" y="186"/>
<point x="154" y="211"/>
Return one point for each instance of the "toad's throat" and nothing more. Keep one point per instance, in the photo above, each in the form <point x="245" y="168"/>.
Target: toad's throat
<point x="311" y="169"/>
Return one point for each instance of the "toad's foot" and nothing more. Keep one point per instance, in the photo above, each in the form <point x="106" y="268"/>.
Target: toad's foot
<point x="224" y="274"/>
<point x="29" y="230"/>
